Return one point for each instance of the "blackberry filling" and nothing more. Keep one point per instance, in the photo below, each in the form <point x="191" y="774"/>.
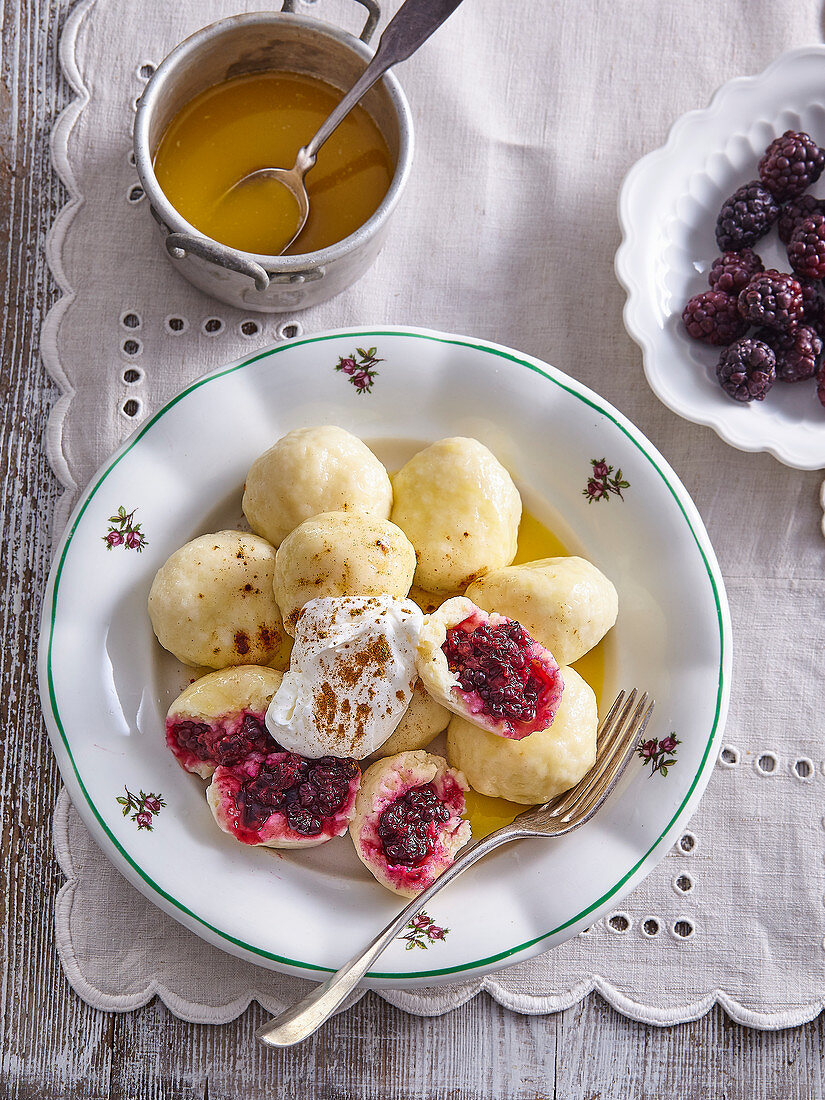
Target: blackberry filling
<point x="497" y="663"/>
<point x="304" y="791"/>
<point x="215" y="745"/>
<point x="408" y="828"/>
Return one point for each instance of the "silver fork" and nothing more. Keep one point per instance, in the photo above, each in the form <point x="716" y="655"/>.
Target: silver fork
<point x="617" y="738"/>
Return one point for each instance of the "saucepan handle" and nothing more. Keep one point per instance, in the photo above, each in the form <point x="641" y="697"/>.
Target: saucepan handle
<point x="179" y="245"/>
<point x="373" y="15"/>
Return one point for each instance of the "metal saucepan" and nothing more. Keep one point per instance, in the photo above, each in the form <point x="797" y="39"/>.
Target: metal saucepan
<point x="261" y="41"/>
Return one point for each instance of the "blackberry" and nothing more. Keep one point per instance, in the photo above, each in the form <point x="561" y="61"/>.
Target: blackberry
<point x="795" y="212"/>
<point x="745" y="217"/>
<point x="791" y="164"/>
<point x="806" y="250"/>
<point x="772" y="298"/>
<point x="813" y="304"/>
<point x="732" y="271"/>
<point x="747" y="370"/>
<point x="714" y="318"/>
<point x="820" y="385"/>
<point x="797" y="353"/>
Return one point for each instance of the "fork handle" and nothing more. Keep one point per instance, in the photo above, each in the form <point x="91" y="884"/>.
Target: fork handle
<point x="301" y="1020"/>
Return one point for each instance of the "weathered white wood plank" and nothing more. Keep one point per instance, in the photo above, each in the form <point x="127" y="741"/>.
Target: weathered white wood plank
<point x="51" y="1044"/>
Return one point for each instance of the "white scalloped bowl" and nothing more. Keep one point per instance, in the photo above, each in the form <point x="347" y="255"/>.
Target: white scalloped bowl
<point x="106" y="684"/>
<point x="668" y="205"/>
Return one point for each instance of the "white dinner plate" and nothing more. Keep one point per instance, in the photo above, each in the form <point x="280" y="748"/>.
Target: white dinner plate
<point x="106" y="683"/>
<point x="668" y="205"/>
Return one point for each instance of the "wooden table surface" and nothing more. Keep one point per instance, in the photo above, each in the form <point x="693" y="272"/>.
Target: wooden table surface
<point x="54" y="1045"/>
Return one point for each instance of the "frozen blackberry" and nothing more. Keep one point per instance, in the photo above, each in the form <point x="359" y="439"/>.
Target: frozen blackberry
<point x="797" y="353"/>
<point x="745" y="217"/>
<point x="813" y="304"/>
<point x="772" y="298"/>
<point x="806" y="250"/>
<point x="714" y="318"/>
<point x="791" y="164"/>
<point x="732" y="271"/>
<point x="793" y="213"/>
<point x="820" y="385"/>
<point x="747" y="370"/>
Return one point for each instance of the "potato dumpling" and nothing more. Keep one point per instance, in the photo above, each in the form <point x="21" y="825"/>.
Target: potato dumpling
<point x="312" y="470"/>
<point x="460" y="509"/>
<point x="567" y="604"/>
<point x="539" y="766"/>
<point x="341" y="554"/>
<point x="212" y="604"/>
<point x="423" y="720"/>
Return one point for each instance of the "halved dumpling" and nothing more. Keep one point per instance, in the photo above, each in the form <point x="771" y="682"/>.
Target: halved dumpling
<point x="423" y="720"/>
<point x="219" y="719"/>
<point x="488" y="669"/>
<point x="459" y="508"/>
<point x="566" y="604"/>
<point x="211" y="603"/>
<point x="341" y="554"/>
<point x="408" y="826"/>
<point x="312" y="470"/>
<point x="282" y="800"/>
<point x="538" y="767"/>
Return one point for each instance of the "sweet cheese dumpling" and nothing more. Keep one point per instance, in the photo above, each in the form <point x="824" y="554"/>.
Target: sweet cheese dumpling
<point x="312" y="470"/>
<point x="423" y="720"/>
<point x="408" y="822"/>
<point x="567" y="604"/>
<point x="341" y="554"/>
<point x="460" y="509"/>
<point x="212" y="603"/>
<point x="538" y="767"/>
<point x="219" y="719"/>
<point x="488" y="669"/>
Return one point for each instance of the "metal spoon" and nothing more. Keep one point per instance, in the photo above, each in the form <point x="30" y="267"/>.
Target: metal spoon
<point x="409" y="28"/>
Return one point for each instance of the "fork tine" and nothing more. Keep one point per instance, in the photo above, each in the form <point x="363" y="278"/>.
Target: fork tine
<point x="611" y="774"/>
<point x="609" y="734"/>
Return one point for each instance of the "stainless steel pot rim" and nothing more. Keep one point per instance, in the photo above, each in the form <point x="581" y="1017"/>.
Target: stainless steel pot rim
<point x="171" y="217"/>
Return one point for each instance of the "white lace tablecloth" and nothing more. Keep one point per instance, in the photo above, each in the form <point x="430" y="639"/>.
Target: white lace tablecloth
<point x="528" y="116"/>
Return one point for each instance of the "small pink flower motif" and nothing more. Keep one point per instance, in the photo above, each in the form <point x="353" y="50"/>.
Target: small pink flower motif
<point x="360" y="366"/>
<point x="602" y="482"/>
<point x="123" y="531"/>
<point x="421" y="931"/>
<point x="140" y="807"/>
<point x="661" y="755"/>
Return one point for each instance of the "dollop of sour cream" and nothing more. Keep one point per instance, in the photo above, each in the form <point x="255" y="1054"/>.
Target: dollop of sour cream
<point x="351" y="676"/>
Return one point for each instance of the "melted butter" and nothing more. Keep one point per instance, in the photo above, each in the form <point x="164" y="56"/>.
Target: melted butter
<point x="535" y="541"/>
<point x="261" y="120"/>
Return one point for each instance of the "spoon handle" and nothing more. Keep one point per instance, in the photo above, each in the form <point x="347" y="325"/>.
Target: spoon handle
<point x="409" y="28"/>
